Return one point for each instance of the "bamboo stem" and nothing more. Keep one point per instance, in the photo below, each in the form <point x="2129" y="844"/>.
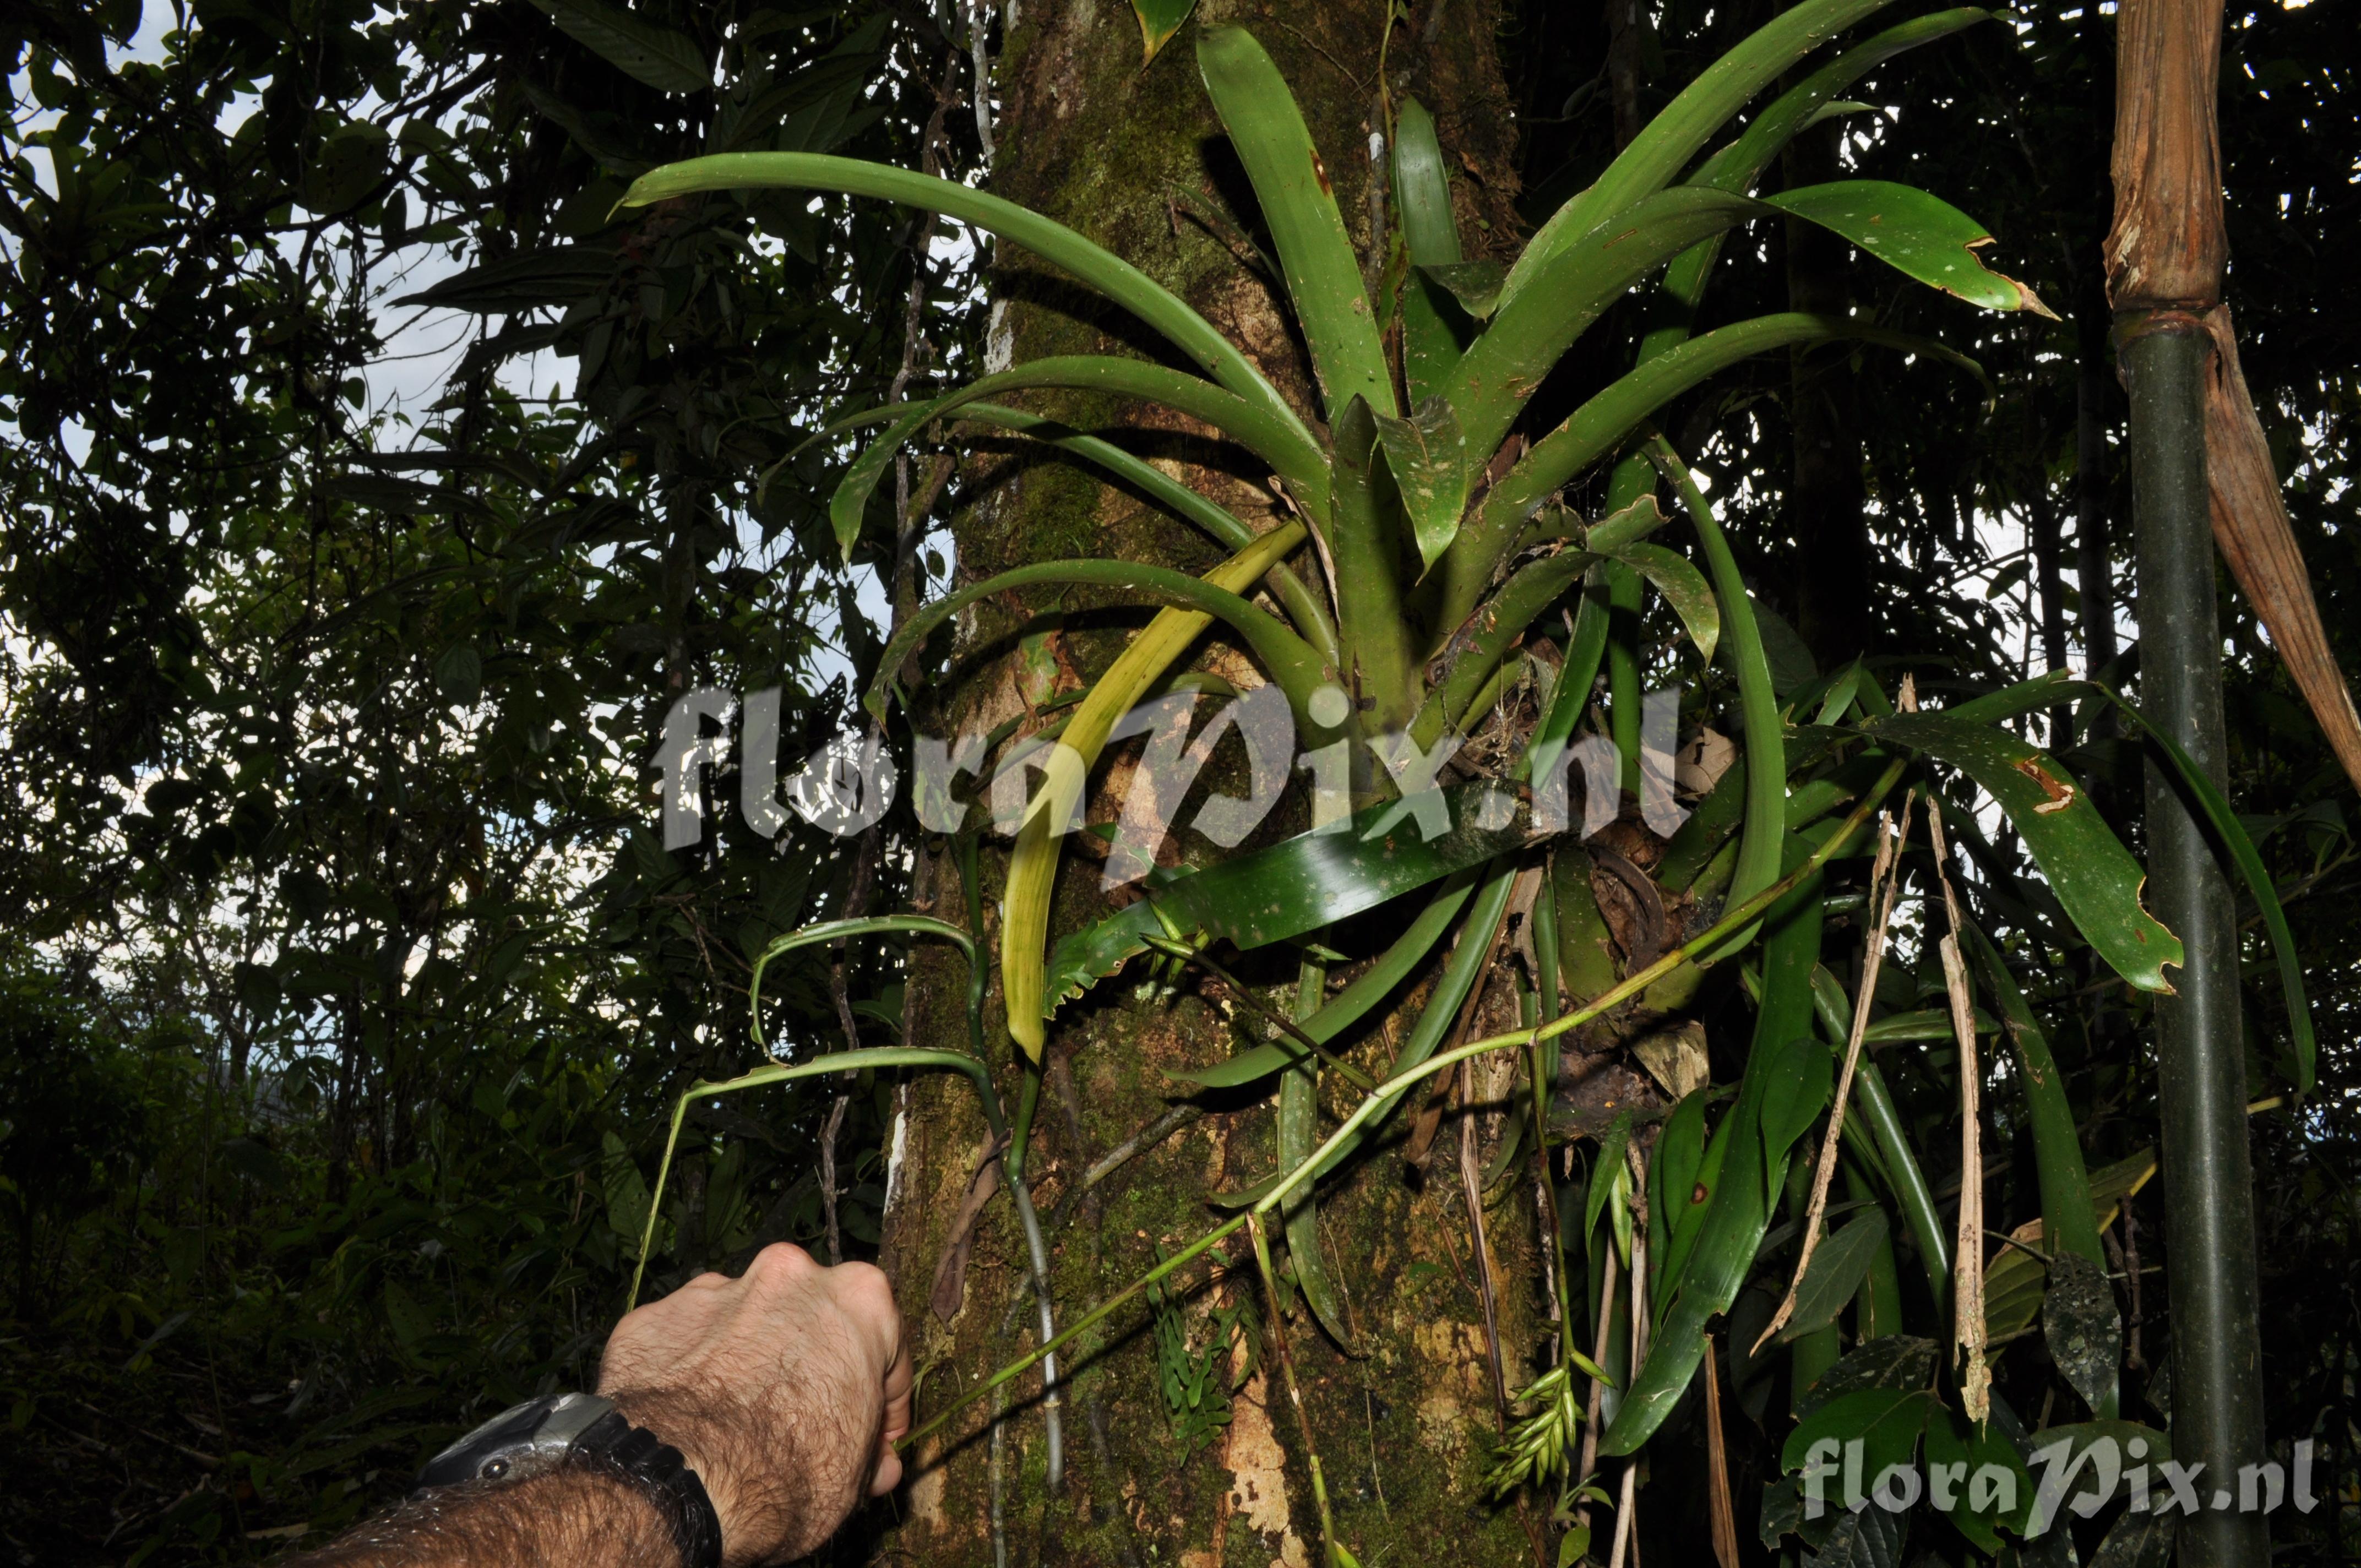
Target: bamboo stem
<point x="2201" y="1081"/>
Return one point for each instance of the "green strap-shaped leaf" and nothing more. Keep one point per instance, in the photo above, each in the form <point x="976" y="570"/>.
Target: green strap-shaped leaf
<point x="1683" y="587"/>
<point x="2249" y="861"/>
<point x="2044" y="691"/>
<point x="1293" y="665"/>
<point x="1765" y="824"/>
<point x="842" y="930"/>
<point x="1274" y="441"/>
<point x="1606" y="418"/>
<point x="2063" y="1175"/>
<point x="1926" y="1023"/>
<point x="1053" y="242"/>
<point x="1432" y="328"/>
<point x="874" y="1059"/>
<point x="1662" y="150"/>
<point x="1323" y="276"/>
<point x="1302" y="606"/>
<point x="1533" y="329"/>
<point x="1915" y="233"/>
<point x="1701" y="1285"/>
<point x="2095" y="878"/>
<point x="1429" y="459"/>
<point x="558" y="276"/>
<point x="1223" y="526"/>
<point x="1679" y="1201"/>
<point x="666" y="61"/>
<point x="1299" y="1136"/>
<point x="1364" y="540"/>
<point x="1474" y="284"/>
<point x="1504" y="619"/>
<point x="1315" y="879"/>
<point x="1468" y="963"/>
<point x="1571" y="695"/>
<point x="1738" y="165"/>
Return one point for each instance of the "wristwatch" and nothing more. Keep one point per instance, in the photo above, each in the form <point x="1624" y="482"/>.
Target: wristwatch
<point x="585" y="1432"/>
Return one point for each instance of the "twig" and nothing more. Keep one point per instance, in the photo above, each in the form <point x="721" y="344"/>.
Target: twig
<point x="1115" y="1158"/>
<point x="1294" y="1390"/>
<point x="1260" y="1009"/>
<point x="828" y="1153"/>
<point x="1719" y="1503"/>
<point x="1597" y="1389"/>
<point x="2035" y="1252"/>
<point x="1471" y="1189"/>
<point x="978" y="21"/>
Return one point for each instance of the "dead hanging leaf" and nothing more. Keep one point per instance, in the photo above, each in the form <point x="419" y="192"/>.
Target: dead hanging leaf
<point x="2250" y="525"/>
<point x="1968" y="1249"/>
<point x="1885" y="883"/>
<point x="949" y="1288"/>
<point x="1698" y="766"/>
<point x="1676" y="1059"/>
<point x="1719" y="1507"/>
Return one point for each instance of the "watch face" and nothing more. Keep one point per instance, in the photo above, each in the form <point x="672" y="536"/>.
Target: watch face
<point x="489" y="1443"/>
<point x="523" y="1440"/>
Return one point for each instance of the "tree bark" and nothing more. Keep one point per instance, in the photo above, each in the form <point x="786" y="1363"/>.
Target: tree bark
<point x="1089" y="138"/>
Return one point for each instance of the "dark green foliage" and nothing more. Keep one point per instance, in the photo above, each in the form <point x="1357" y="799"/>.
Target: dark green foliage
<point x="348" y="985"/>
<point x="345" y="980"/>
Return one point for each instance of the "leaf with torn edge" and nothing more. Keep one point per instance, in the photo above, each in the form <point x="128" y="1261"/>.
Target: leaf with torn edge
<point x="1915" y="233"/>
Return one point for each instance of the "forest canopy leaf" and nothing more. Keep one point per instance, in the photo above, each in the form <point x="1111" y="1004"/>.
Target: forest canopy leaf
<point x="665" y="60"/>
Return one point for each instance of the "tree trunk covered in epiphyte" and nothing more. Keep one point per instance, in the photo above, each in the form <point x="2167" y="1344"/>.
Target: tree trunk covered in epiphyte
<point x="1135" y="160"/>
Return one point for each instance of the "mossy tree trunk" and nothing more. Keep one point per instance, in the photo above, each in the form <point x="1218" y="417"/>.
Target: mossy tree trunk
<point x="1403" y="1430"/>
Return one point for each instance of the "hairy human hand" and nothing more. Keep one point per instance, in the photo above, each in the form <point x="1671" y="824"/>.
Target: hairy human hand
<point x="785" y="1388"/>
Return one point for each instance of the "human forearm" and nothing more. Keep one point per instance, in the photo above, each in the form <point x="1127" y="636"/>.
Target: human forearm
<point x="569" y="1519"/>
<point x="748" y="1415"/>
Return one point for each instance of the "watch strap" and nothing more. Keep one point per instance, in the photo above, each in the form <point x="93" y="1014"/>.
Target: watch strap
<point x="612" y="1445"/>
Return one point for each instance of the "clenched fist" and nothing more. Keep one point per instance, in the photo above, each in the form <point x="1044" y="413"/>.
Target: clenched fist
<point x="785" y="1388"/>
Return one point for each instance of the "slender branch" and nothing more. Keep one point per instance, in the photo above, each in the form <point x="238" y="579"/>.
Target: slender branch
<point x="1260" y="1009"/>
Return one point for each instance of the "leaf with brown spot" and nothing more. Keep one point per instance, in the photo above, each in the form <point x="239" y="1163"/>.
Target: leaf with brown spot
<point x="2095" y="878"/>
